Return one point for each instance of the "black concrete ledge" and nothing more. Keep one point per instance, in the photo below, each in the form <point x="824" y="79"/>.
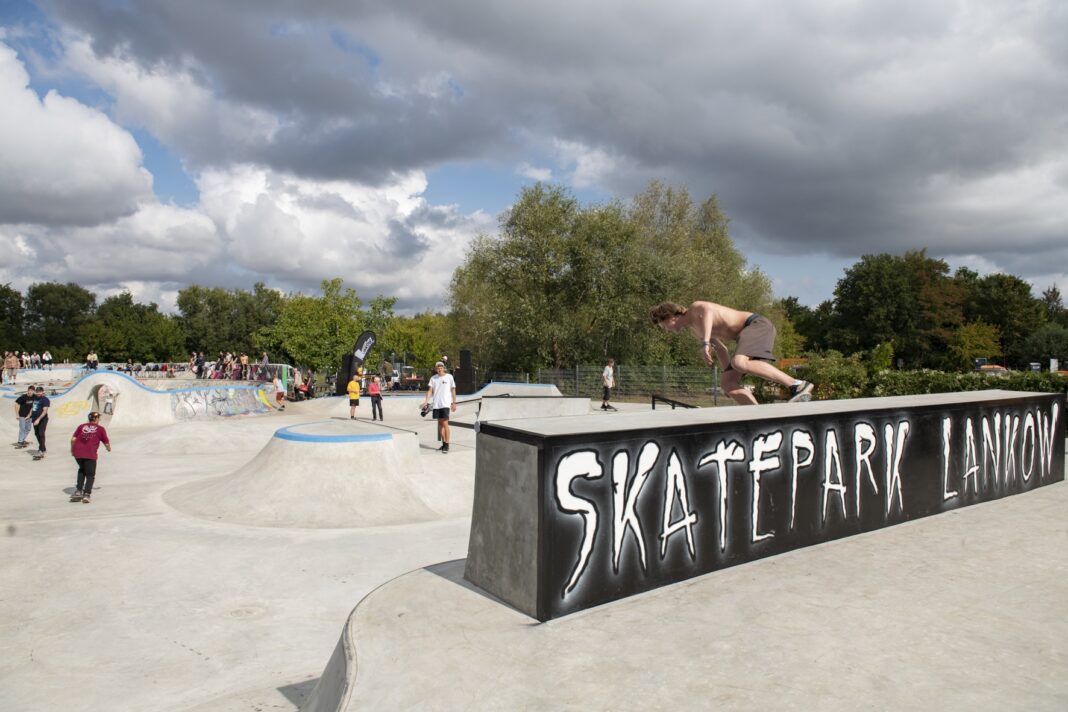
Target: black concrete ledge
<point x="572" y="512"/>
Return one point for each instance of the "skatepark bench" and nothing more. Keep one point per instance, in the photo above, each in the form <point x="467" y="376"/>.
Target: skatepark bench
<point x="572" y="512"/>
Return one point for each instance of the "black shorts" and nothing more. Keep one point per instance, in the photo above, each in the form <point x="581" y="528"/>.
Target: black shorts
<point x="607" y="393"/>
<point x="353" y="402"/>
<point x="441" y="414"/>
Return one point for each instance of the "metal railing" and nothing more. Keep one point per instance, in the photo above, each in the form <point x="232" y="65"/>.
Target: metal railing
<point x="696" y="383"/>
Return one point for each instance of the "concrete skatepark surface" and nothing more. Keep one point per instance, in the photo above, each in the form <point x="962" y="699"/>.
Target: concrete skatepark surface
<point x="133" y="603"/>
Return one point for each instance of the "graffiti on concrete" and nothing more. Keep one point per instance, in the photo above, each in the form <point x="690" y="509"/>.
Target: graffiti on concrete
<point x="72" y="408"/>
<point x="630" y="515"/>
<point x="222" y="402"/>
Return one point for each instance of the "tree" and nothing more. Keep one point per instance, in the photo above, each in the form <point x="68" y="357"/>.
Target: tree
<point x="10" y="318"/>
<point x="973" y="341"/>
<point x="874" y="303"/>
<point x="564" y="284"/>
<point x="1006" y="302"/>
<point x="54" y="313"/>
<point x="122" y="329"/>
<point x="1048" y="341"/>
<point x="417" y="340"/>
<point x="317" y="331"/>
<point x="909" y="301"/>
<point x="216" y="319"/>
<point x="1054" y="306"/>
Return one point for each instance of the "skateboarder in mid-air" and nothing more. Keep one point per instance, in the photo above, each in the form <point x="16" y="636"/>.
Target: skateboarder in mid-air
<point x="712" y="324"/>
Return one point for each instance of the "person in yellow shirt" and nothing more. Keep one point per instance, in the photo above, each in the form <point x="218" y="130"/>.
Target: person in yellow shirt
<point x="354" y="393"/>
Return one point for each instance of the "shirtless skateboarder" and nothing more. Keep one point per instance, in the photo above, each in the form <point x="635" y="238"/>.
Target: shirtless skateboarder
<point x="712" y="324"/>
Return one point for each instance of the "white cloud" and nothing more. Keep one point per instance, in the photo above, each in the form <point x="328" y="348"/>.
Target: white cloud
<point x="157" y="243"/>
<point x="588" y="167"/>
<point x="380" y="240"/>
<point x="172" y="103"/>
<point x="534" y="173"/>
<point x="62" y="162"/>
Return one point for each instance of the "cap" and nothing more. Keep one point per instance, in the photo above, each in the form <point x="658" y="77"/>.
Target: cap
<point x="439" y="363"/>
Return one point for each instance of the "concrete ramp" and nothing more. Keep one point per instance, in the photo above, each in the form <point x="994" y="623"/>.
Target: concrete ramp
<point x="504" y="388"/>
<point x="331" y="474"/>
<point x="509" y="407"/>
<point x="135" y="405"/>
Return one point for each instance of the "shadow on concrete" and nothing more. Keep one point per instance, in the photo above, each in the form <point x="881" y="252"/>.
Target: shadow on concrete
<point x="299" y="691"/>
<point x="453" y="572"/>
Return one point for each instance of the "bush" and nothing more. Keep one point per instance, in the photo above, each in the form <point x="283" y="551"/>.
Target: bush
<point x="903" y="383"/>
<point x="836" y="376"/>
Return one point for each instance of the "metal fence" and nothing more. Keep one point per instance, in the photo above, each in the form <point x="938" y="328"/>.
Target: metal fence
<point x="698" y="385"/>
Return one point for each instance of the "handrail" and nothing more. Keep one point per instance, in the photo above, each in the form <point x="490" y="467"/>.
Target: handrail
<point x="670" y="401"/>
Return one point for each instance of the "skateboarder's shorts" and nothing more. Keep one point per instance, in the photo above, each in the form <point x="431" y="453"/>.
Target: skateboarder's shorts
<point x="353" y="402"/>
<point x="607" y="393"/>
<point x="757" y="338"/>
<point x="441" y="414"/>
<point x="279" y="396"/>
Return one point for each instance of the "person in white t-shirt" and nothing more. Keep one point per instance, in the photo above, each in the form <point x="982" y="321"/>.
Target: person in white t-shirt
<point x="441" y="396"/>
<point x="608" y="380"/>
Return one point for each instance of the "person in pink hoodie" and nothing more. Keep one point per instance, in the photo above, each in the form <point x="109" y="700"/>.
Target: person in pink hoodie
<point x="84" y="445"/>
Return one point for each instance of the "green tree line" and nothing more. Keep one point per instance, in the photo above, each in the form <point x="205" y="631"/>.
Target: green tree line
<point x="933" y="319"/>
<point x="563" y="284"/>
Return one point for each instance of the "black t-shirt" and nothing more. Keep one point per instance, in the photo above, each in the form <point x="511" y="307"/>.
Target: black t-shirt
<point x="40" y="404"/>
<point x="25" y="404"/>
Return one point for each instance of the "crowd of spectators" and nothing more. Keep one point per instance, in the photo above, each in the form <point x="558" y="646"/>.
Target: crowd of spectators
<point x="15" y="360"/>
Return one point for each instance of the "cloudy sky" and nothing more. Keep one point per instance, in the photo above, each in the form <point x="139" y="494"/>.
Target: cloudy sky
<point x="149" y="144"/>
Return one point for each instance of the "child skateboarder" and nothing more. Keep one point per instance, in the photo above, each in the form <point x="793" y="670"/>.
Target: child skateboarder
<point x="712" y="324"/>
<point x="84" y="445"/>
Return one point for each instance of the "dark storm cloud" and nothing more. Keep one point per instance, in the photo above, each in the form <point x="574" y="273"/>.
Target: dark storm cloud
<point x="823" y="127"/>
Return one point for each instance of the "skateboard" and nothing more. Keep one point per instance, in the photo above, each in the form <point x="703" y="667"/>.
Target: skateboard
<point x="76" y="497"/>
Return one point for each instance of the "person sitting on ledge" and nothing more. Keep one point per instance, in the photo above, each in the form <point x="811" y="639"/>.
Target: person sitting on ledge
<point x="712" y="324"/>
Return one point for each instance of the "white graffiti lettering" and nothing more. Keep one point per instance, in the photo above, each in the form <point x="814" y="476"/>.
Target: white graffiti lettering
<point x="725" y="452"/>
<point x="895" y="448"/>
<point x="1029" y="429"/>
<point x="992" y="448"/>
<point x="971" y="461"/>
<point x="1048" y="439"/>
<point x="799" y="441"/>
<point x="832" y="463"/>
<point x="864" y="435"/>
<point x="573" y="466"/>
<point x="676" y="487"/>
<point x="947" y="434"/>
<point x="624" y="499"/>
<point x="763" y="445"/>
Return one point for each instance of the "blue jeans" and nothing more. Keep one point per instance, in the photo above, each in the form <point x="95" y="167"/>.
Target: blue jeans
<point x="25" y="426"/>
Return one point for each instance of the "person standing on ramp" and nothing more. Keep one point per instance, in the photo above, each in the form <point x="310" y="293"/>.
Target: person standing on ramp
<point x="23" y="412"/>
<point x="39" y="414"/>
<point x="84" y="445"/>
<point x="608" y="381"/>
<point x="353" y="389"/>
<point x="441" y="396"/>
<point x="712" y="324"/>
